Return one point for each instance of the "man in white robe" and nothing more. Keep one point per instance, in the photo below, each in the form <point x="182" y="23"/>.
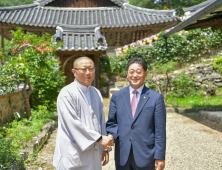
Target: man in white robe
<point x="81" y="137"/>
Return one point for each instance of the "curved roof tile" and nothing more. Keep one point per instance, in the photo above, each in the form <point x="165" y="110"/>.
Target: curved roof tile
<point x="153" y="11"/>
<point x="85" y="38"/>
<point x="105" y="17"/>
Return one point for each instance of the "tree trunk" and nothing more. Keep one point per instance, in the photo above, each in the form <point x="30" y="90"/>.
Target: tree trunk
<point x="26" y="95"/>
<point x="167" y="79"/>
<point x="160" y="85"/>
<point x="167" y="3"/>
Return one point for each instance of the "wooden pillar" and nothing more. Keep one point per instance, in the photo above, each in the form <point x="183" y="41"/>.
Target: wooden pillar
<point x="97" y="71"/>
<point x="2" y="34"/>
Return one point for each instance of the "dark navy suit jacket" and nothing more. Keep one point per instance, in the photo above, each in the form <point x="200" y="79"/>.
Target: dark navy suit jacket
<point x="146" y="133"/>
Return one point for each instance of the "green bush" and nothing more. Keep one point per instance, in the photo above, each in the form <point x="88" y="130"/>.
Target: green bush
<point x="217" y="64"/>
<point x="47" y="85"/>
<point x="104" y="67"/>
<point x="8" y="153"/>
<point x="22" y="130"/>
<point x="182" y="47"/>
<point x="169" y="67"/>
<point x="15" y="135"/>
<point x="183" y="86"/>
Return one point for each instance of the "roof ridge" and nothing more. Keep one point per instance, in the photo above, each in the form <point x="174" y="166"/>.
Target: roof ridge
<point x="146" y="10"/>
<point x="42" y="2"/>
<point x="77" y="8"/>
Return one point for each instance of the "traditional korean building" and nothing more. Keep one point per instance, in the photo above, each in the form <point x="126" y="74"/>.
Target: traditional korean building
<point x="87" y="27"/>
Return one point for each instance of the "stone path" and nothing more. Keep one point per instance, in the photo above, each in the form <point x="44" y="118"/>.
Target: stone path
<point x="190" y="146"/>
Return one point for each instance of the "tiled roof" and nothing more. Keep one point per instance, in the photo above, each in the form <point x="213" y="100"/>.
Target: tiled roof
<point x="104" y="17"/>
<point x="84" y="38"/>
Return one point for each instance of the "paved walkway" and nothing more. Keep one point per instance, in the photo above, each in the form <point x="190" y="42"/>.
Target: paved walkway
<point x="190" y="146"/>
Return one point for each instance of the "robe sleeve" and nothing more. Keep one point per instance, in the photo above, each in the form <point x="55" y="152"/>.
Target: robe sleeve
<point x="72" y="125"/>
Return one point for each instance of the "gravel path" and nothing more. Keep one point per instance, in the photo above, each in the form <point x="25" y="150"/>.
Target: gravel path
<point x="190" y="146"/>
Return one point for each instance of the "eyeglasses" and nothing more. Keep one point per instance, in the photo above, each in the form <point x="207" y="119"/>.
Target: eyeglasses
<point x="84" y="70"/>
<point x="135" y="71"/>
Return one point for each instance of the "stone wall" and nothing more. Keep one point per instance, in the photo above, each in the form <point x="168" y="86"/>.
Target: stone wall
<point x="207" y="77"/>
<point x="203" y="75"/>
<point x="9" y="104"/>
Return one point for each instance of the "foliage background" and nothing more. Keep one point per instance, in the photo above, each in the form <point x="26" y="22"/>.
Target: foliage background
<point x="166" y="4"/>
<point x="15" y="2"/>
<point x="182" y="47"/>
<point x="151" y="4"/>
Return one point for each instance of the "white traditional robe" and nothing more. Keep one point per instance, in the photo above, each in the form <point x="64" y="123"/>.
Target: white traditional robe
<point x="80" y="124"/>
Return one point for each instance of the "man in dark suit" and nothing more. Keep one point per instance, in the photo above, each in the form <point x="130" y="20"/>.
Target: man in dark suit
<point x="137" y="122"/>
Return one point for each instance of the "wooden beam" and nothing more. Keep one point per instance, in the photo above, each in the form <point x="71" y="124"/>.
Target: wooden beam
<point x="204" y="24"/>
<point x="118" y="39"/>
<point x="215" y="27"/>
<point x="134" y="35"/>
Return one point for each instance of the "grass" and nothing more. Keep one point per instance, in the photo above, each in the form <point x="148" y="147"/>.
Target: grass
<point x="14" y="135"/>
<point x="195" y="102"/>
<point x="22" y="130"/>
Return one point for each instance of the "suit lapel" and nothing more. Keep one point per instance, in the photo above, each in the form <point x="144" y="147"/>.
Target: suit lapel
<point x="126" y="101"/>
<point x="144" y="97"/>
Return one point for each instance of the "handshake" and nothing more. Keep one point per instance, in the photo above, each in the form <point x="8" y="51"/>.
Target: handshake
<point x="107" y="141"/>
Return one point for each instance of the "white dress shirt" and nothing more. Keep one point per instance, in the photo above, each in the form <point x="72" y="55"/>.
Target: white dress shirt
<point x="139" y="90"/>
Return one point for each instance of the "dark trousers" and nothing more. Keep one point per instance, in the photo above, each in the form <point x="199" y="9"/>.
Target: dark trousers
<point x="131" y="164"/>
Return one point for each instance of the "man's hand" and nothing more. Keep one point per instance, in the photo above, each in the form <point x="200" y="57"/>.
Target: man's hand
<point x="159" y="164"/>
<point x="105" y="157"/>
<point x="111" y="140"/>
<point x="105" y="142"/>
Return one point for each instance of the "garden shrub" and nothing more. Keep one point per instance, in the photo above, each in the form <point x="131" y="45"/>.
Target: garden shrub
<point x="217" y="64"/>
<point x="47" y="85"/>
<point x="182" y="47"/>
<point x="8" y="153"/>
<point x="22" y="130"/>
<point x="104" y="68"/>
<point x="183" y="86"/>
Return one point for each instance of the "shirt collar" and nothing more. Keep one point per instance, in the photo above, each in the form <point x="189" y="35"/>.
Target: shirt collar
<point x="83" y="88"/>
<point x="139" y="89"/>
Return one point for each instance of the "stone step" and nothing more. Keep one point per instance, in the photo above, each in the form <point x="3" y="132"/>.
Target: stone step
<point x="215" y="116"/>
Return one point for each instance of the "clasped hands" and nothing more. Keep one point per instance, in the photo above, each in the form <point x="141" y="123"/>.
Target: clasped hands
<point x="107" y="141"/>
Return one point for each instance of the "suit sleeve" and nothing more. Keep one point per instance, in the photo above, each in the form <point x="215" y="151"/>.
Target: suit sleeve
<point x="160" y="129"/>
<point x="102" y="120"/>
<point x="72" y="125"/>
<point x="111" y="124"/>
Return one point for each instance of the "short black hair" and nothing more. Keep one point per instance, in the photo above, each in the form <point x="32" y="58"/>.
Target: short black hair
<point x="137" y="60"/>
